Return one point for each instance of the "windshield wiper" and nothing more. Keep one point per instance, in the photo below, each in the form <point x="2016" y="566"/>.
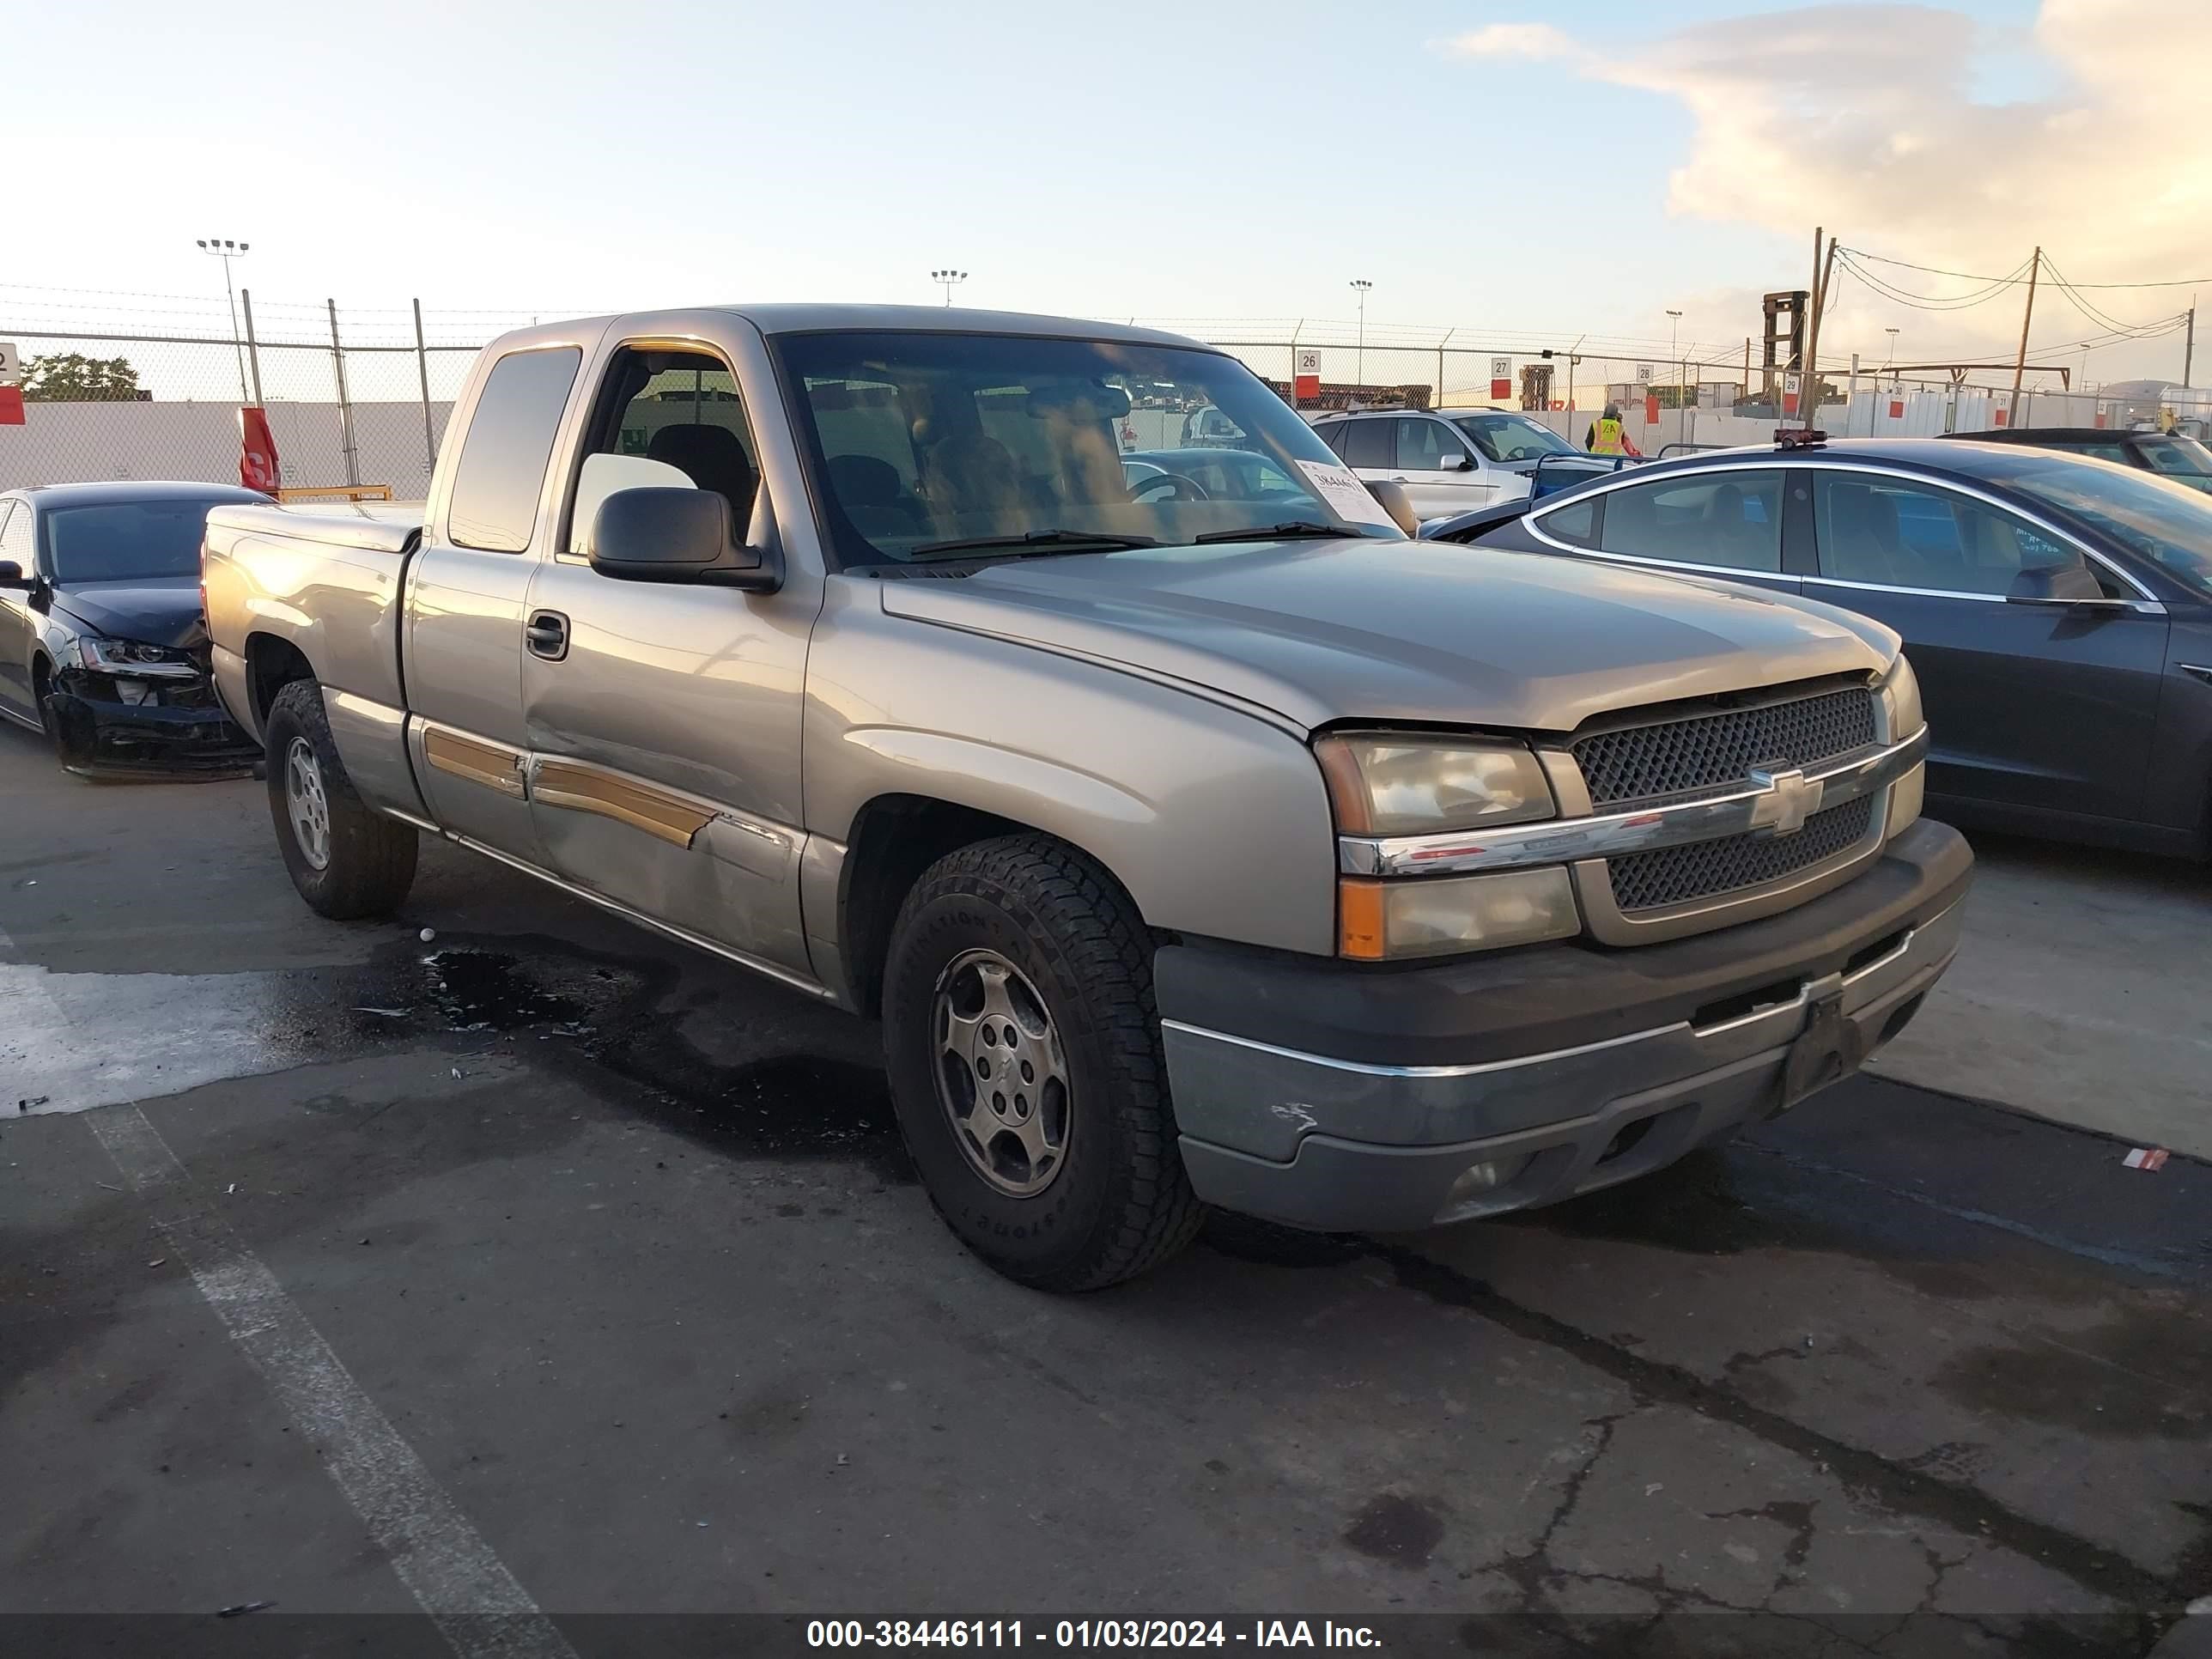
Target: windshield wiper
<point x="1040" y="540"/>
<point x="1275" y="532"/>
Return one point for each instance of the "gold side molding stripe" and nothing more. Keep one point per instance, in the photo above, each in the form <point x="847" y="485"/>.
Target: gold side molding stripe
<point x="479" y="763"/>
<point x="586" y="789"/>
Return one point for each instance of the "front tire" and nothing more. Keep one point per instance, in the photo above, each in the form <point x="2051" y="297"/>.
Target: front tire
<point x="1026" y="1070"/>
<point x="348" y="862"/>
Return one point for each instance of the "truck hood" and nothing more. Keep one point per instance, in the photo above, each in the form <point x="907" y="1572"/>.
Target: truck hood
<point x="1413" y="631"/>
<point x="159" y="611"/>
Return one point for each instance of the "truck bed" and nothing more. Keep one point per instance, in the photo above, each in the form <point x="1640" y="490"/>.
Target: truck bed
<point x="324" y="580"/>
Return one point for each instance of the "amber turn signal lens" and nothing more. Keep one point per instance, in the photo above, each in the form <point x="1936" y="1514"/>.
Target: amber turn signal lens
<point x="1359" y="920"/>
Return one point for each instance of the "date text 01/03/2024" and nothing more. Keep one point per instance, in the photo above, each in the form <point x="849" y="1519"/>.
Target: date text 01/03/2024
<point x="1085" y="1634"/>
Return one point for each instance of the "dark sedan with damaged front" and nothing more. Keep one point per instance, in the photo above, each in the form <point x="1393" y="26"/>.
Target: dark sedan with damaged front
<point x="102" y="645"/>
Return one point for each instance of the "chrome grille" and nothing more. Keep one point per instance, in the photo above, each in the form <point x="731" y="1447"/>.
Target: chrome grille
<point x="1708" y="869"/>
<point x="1638" y="762"/>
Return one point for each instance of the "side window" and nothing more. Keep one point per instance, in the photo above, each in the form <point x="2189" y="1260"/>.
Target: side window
<point x="509" y="443"/>
<point x="1898" y="534"/>
<point x="1423" y="445"/>
<point x="667" y="418"/>
<point x="16" y="542"/>
<point x="1575" y="524"/>
<point x="1731" y="520"/>
<point x="1369" y="443"/>
<point x="1332" y="433"/>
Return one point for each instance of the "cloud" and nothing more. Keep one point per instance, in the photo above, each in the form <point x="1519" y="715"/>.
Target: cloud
<point x="1865" y="117"/>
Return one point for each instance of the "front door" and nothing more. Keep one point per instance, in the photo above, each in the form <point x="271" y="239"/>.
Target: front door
<point x="18" y="543"/>
<point x="1439" y="470"/>
<point x="2043" y="706"/>
<point x="466" y="590"/>
<point x="664" y="719"/>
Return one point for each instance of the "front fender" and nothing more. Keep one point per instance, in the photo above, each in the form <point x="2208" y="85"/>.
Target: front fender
<point x="1215" y="820"/>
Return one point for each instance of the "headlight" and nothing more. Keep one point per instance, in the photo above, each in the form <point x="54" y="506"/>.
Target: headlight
<point x="1900" y="695"/>
<point x="129" y="657"/>
<point x="1393" y="784"/>
<point x="1385" y="920"/>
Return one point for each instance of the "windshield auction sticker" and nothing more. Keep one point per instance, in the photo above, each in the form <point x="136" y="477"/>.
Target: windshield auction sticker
<point x="1343" y="492"/>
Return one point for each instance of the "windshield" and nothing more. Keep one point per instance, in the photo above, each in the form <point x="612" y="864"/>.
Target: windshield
<point x="2153" y="518"/>
<point x="1512" y="437"/>
<point x="126" y="541"/>
<point x="2185" y="460"/>
<point x="927" y="446"/>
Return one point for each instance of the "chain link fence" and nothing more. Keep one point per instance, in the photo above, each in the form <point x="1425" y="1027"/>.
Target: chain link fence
<point x="148" y="385"/>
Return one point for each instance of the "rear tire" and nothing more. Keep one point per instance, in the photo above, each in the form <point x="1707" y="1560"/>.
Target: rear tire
<point x="348" y="862"/>
<point x="1074" y="1181"/>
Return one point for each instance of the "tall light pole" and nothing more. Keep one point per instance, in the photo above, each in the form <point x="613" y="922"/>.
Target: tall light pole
<point x="225" y="250"/>
<point x="1674" y="350"/>
<point x="949" y="279"/>
<point x="1360" y="286"/>
<point x="1892" y="363"/>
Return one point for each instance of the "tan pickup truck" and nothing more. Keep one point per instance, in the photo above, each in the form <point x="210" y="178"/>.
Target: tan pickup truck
<point x="1197" y="836"/>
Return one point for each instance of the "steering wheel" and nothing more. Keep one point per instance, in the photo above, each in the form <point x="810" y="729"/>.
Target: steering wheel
<point x="1179" y="487"/>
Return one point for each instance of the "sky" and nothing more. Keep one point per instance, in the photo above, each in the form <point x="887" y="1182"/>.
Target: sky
<point x="1511" y="168"/>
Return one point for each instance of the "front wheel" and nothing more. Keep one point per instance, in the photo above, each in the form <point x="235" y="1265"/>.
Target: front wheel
<point x="348" y="861"/>
<point x="1025" y="1066"/>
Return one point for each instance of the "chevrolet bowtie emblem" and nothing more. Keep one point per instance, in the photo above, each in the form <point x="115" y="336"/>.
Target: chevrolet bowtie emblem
<point x="1786" y="800"/>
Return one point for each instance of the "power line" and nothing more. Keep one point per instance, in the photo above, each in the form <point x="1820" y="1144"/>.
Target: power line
<point x="2073" y="294"/>
<point x="1889" y="290"/>
<point x="1969" y="276"/>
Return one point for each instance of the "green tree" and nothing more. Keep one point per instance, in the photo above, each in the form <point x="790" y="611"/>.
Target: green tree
<point x="71" y="377"/>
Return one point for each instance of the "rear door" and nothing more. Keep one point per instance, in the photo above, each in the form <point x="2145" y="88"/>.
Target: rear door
<point x="664" y="719"/>
<point x="466" y="589"/>
<point x="1369" y="448"/>
<point x="2048" y="707"/>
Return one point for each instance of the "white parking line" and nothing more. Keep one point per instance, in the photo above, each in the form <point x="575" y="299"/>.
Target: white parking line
<point x="479" y="1606"/>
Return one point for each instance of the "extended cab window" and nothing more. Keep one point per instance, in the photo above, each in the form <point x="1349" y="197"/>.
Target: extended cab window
<point x="1732" y="521"/>
<point x="508" y="445"/>
<point x="669" y="419"/>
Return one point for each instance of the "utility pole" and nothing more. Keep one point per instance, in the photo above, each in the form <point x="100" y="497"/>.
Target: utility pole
<point x="2020" y="363"/>
<point x="1809" y="373"/>
<point x="2189" y="349"/>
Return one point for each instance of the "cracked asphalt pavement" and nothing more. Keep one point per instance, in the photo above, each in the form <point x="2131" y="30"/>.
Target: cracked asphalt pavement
<point x="619" y="1246"/>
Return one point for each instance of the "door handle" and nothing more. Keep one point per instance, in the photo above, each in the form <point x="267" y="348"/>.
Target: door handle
<point x="547" y="635"/>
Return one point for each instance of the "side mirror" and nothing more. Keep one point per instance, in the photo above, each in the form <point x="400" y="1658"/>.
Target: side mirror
<point x="1456" y="462"/>
<point x="11" y="574"/>
<point x="1398" y="504"/>
<point x="2055" y="584"/>
<point x="662" y="534"/>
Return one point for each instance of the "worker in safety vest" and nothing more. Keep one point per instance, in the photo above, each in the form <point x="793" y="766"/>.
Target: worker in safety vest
<point x="1608" y="436"/>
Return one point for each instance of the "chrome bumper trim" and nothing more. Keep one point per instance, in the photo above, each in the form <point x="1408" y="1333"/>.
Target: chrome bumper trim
<point x="1770" y="804"/>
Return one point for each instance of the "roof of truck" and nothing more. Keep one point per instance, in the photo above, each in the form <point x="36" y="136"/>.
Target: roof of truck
<point x="935" y="319"/>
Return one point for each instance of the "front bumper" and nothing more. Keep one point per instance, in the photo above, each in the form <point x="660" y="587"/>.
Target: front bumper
<point x="185" y="730"/>
<point x="1336" y="1098"/>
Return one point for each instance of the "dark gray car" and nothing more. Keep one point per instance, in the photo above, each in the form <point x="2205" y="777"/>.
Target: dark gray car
<point x="102" y="644"/>
<point x="2058" y="608"/>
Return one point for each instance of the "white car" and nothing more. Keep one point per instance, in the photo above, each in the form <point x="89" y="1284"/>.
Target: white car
<point x="1454" y="460"/>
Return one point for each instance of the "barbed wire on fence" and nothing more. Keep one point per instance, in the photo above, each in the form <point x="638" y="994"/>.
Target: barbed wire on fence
<point x="137" y="385"/>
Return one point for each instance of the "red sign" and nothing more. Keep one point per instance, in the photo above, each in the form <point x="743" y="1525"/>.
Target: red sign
<point x="1897" y="409"/>
<point x="2002" y="415"/>
<point x="11" y="405"/>
<point x="1558" y="403"/>
<point x="1304" y="386"/>
<point x="1651" y="409"/>
<point x="1501" y="388"/>
<point x="257" y="459"/>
